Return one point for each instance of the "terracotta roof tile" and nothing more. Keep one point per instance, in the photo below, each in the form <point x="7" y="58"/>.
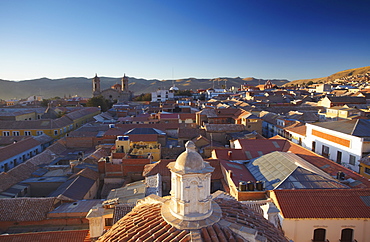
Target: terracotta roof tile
<point x="96" y="155"/>
<point x="184" y="116"/>
<point x="238" y="172"/>
<point x="229" y="128"/>
<point x="301" y="130"/>
<point x="55" y="236"/>
<point x="14" y="149"/>
<point x="145" y="223"/>
<point x="58" y="147"/>
<point x="24" y="170"/>
<point x="82" y="113"/>
<point x="230" y="154"/>
<point x="189" y="133"/>
<point x="25" y="209"/>
<point x="160" y="126"/>
<point x="88" y="173"/>
<point x="144" y="138"/>
<point x="327" y="203"/>
<point x="74" y="189"/>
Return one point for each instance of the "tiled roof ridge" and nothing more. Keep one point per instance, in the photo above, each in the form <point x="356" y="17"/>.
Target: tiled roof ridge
<point x="145" y="223"/>
<point x="57" y="236"/>
<point x="323" y="203"/>
<point x="15" y="148"/>
<point x="19" y="173"/>
<point x="86" y="172"/>
<point x="25" y="208"/>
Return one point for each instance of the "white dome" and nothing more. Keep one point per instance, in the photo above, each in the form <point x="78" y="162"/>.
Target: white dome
<point x="174" y="88"/>
<point x="189" y="161"/>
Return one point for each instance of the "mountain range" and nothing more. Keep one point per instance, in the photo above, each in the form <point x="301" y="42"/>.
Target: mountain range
<point x="82" y="86"/>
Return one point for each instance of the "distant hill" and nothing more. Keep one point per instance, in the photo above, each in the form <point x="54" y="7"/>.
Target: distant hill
<point x="82" y="86"/>
<point x="349" y="72"/>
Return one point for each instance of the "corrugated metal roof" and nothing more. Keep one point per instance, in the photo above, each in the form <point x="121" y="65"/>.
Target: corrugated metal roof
<point x="277" y="168"/>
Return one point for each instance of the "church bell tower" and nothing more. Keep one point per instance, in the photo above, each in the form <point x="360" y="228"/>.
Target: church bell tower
<point x="124" y="83"/>
<point x="96" y="85"/>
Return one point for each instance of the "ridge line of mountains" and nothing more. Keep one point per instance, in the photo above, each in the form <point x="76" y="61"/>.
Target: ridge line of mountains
<point x="82" y="86"/>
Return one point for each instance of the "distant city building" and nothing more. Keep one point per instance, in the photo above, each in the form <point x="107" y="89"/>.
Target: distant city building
<point x="117" y="92"/>
<point x="162" y="95"/>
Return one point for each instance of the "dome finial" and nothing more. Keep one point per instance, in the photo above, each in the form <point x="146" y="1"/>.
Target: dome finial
<point x="190" y="146"/>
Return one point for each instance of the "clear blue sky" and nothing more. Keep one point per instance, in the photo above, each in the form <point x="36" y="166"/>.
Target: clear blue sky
<point x="158" y="39"/>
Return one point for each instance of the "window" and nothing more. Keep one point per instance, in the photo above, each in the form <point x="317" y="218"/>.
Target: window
<point x="367" y="170"/>
<point x="352" y="160"/>
<point x="55" y="132"/>
<point x="325" y="151"/>
<point x="109" y="222"/>
<point x="16" y="133"/>
<point x="27" y="133"/>
<point x="319" y="235"/>
<point x="39" y="132"/>
<point x="6" y="133"/>
<point x="313" y="146"/>
<point x="346" y="235"/>
<point x="339" y="157"/>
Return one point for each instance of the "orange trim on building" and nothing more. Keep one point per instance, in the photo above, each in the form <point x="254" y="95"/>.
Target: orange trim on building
<point x="332" y="138"/>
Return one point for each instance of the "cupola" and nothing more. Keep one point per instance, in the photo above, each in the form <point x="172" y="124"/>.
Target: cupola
<point x="191" y="205"/>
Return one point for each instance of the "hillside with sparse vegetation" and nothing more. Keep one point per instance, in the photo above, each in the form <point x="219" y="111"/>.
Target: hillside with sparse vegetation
<point x="338" y="75"/>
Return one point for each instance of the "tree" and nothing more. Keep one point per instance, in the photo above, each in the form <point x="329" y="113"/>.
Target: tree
<point x="187" y="93"/>
<point x="144" y="97"/>
<point x="98" y="101"/>
<point x="309" y="83"/>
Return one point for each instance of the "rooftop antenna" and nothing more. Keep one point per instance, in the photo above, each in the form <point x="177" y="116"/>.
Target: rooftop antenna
<point x="173" y="79"/>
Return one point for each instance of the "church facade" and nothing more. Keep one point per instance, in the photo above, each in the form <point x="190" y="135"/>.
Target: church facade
<point x="117" y="92"/>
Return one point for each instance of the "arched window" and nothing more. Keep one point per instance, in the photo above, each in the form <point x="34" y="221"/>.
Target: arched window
<point x="319" y="235"/>
<point x="347" y="235"/>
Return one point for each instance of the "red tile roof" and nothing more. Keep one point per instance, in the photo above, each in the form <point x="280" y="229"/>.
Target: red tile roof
<point x="239" y="172"/>
<point x="55" y="236"/>
<point x="160" y="126"/>
<point x="25" y="209"/>
<point x="301" y="130"/>
<point x="236" y="154"/>
<point x="168" y="115"/>
<point x="144" y="138"/>
<point x="324" y="203"/>
<point x="145" y="223"/>
<point x="15" y="149"/>
<point x="259" y="147"/>
<point x="88" y="173"/>
<point x="184" y="116"/>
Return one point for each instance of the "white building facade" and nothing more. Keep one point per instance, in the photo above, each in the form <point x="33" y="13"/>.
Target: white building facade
<point x="340" y="147"/>
<point x="162" y="95"/>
